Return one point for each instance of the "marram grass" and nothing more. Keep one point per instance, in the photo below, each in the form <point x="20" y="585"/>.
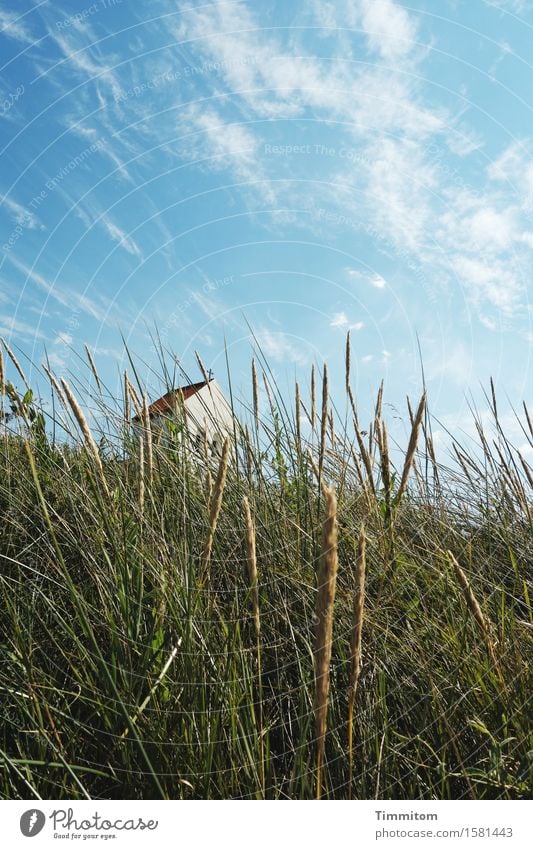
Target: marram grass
<point x="175" y="629"/>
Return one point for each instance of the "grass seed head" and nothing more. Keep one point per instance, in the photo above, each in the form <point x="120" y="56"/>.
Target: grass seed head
<point x="327" y="578"/>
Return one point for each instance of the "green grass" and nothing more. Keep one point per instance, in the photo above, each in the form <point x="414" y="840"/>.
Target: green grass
<point x="124" y="675"/>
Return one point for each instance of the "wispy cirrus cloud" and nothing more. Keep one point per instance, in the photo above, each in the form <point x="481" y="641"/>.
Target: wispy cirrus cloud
<point x="410" y="201"/>
<point x="98" y="306"/>
<point x="82" y="55"/>
<point x="117" y="234"/>
<point x="20" y="214"/>
<point x="22" y="330"/>
<point x="13" y="25"/>
<point x="509" y="5"/>
<point x="280" y="347"/>
<point x="225" y="145"/>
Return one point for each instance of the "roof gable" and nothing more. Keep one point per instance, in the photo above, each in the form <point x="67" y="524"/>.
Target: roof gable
<point x="165" y="404"/>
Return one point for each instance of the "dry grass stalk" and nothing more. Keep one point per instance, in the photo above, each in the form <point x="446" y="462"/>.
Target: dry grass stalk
<point x="482" y="621"/>
<point x="316" y="471"/>
<point x="306" y="411"/>
<point x="348" y="362"/>
<point x="269" y="395"/>
<point x="352" y="403"/>
<point x="209" y="485"/>
<point x="383" y="444"/>
<point x="323" y="418"/>
<point x="529" y="423"/>
<point x="430" y="446"/>
<point x="367" y="462"/>
<point x="358" y="468"/>
<point x="327" y="578"/>
<point x="526" y="468"/>
<point x="356" y="642"/>
<point x="493" y="397"/>
<point x="55" y="385"/>
<point x="15" y="362"/>
<point x="365" y="456"/>
<point x="379" y="403"/>
<point x="249" y="453"/>
<point x="148" y="445"/>
<point x="484" y="443"/>
<point x="127" y="406"/>
<point x="411" y="448"/>
<point x="371" y="438"/>
<point x="2" y="376"/>
<point x="93" y="367"/>
<point x="205" y="443"/>
<point x="141" y="475"/>
<point x="463" y="461"/>
<point x="84" y="427"/>
<point x="178" y="406"/>
<point x="298" y="423"/>
<point x="214" y="507"/>
<point x="133" y="395"/>
<point x="251" y="561"/>
<point x="201" y="366"/>
<point x="410" y="411"/>
<point x="255" y="390"/>
<point x="207" y="461"/>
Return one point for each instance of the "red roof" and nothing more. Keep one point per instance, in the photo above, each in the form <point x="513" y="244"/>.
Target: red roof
<point x="165" y="404"/>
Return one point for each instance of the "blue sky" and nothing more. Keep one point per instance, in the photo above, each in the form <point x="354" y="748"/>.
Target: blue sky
<point x="305" y="167"/>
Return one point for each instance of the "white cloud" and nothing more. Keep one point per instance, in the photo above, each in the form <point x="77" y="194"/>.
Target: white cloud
<point x="56" y="360"/>
<point x="119" y="235"/>
<point x="12" y="25"/>
<point x="271" y="79"/>
<point x="63" y="338"/>
<point x="411" y="202"/>
<point x="20" y="214"/>
<point x="228" y="145"/>
<point x="375" y="280"/>
<point x="14" y="327"/>
<point x="213" y="308"/>
<point x="84" y="60"/>
<point x="462" y="140"/>
<point x="492" y="281"/>
<point x="493" y="230"/>
<point x="397" y="183"/>
<point x="515" y="166"/>
<point x="473" y="224"/>
<point x="508" y="5"/>
<point x="389" y="28"/>
<point x="279" y="347"/>
<point x="340" y="319"/>
<point x="97" y="307"/>
<point x="410" y="205"/>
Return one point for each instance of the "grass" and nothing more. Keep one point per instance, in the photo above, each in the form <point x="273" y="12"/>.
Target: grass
<point x="165" y="632"/>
